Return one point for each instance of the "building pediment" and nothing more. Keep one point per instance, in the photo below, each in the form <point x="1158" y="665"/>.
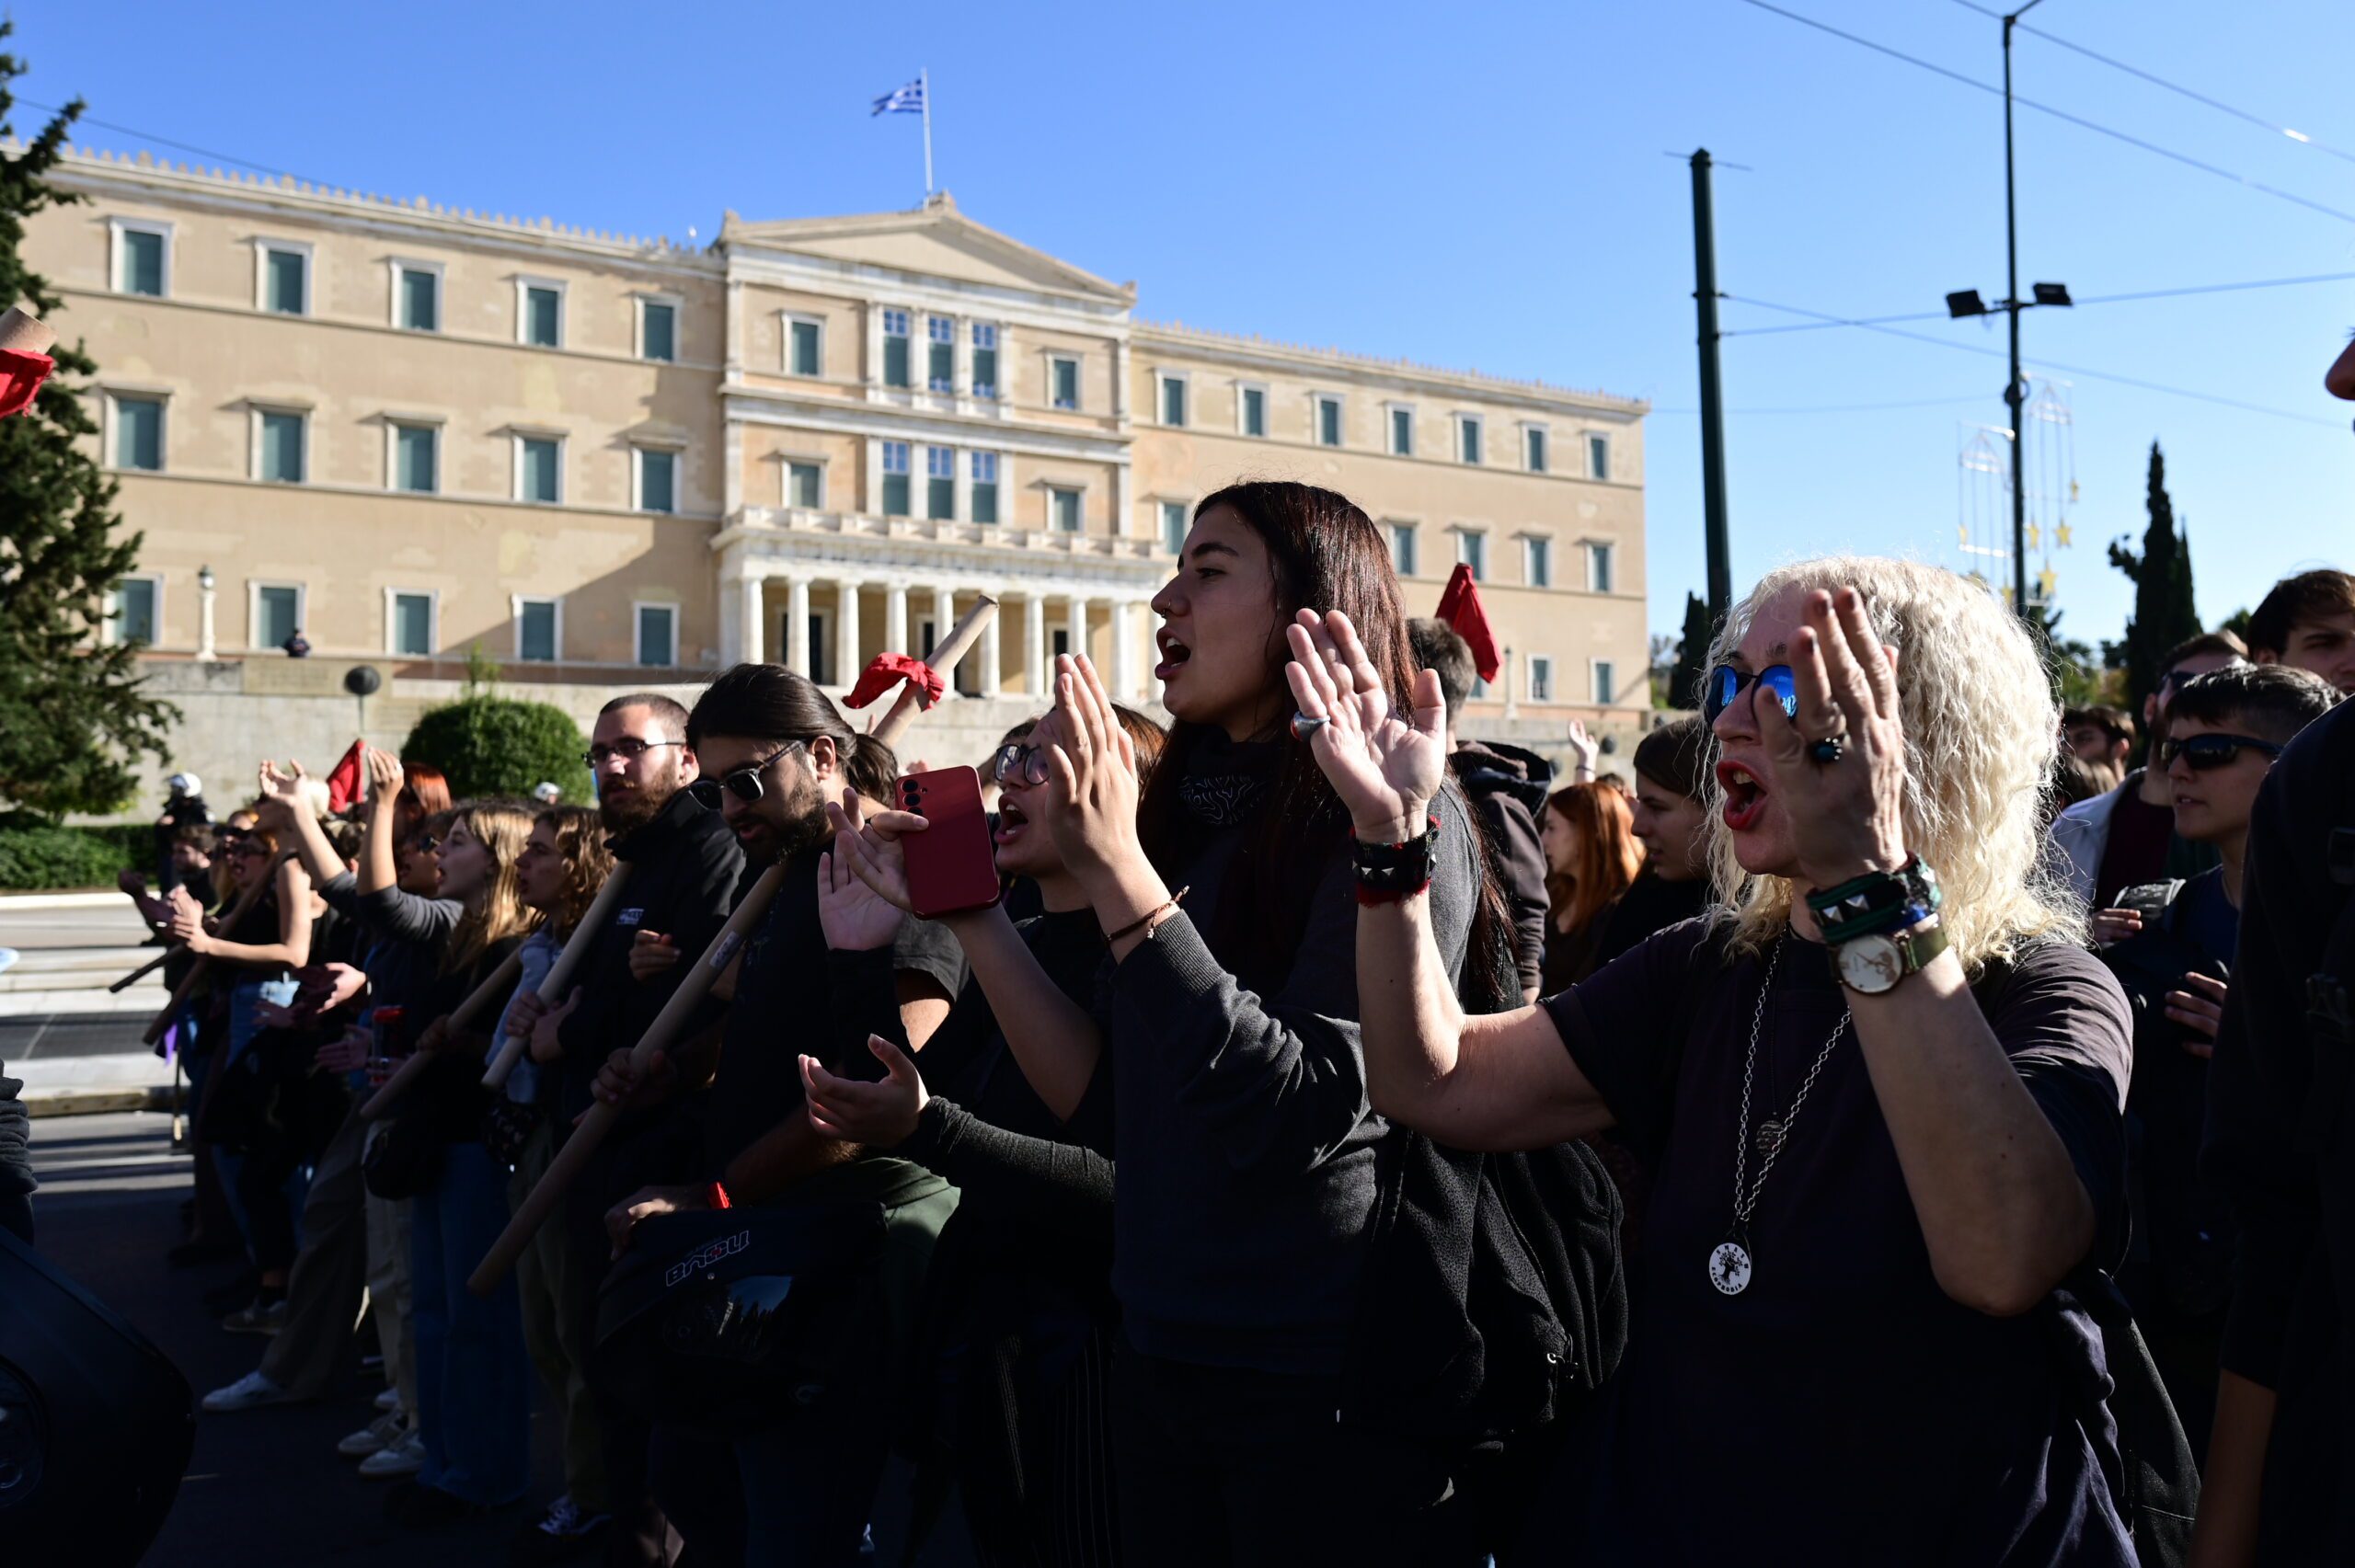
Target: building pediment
<point x="933" y="240"/>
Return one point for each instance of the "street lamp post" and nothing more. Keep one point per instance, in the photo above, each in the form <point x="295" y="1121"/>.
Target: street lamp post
<point x="204" y="649"/>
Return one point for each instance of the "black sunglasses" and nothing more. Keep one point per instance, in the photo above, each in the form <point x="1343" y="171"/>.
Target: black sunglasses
<point x="1015" y="761"/>
<point x="1725" y="683"/>
<point x="744" y="783"/>
<point x="2205" y="752"/>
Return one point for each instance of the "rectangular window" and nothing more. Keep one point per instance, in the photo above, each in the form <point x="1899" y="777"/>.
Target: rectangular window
<point x="940" y="354"/>
<point x="801" y="344"/>
<point x="1472" y="550"/>
<point x="895" y="348"/>
<point x="413" y="624"/>
<point x="539" y="471"/>
<point x="1062" y="383"/>
<point x="1402" y="549"/>
<point x="421" y="299"/>
<point x="535" y="630"/>
<point x="895" y="478"/>
<point x="658" y="331"/>
<point x="1598" y="456"/>
<point x="139" y="433"/>
<point x="1174" y="523"/>
<point x="658" y="480"/>
<point x="984" y="487"/>
<point x="1064" y="506"/>
<point x="282" y="447"/>
<point x="543" y="316"/>
<point x="278" y="615"/>
<point x="1538" y="562"/>
<point x="803" y="483"/>
<point x="1402" y="432"/>
<point x="141" y="261"/>
<point x="1328" y="421"/>
<point x="1062" y="641"/>
<point x="134" y="610"/>
<point x="819" y="644"/>
<point x="940" y="482"/>
<point x="417" y="458"/>
<point x="1468" y="439"/>
<point x="1532" y="449"/>
<point x="984" y="358"/>
<point x="1255" y="411"/>
<point x="1173" y="401"/>
<point x="1541" y="678"/>
<point x="1606" y="682"/>
<point x="285" y="282"/>
<point x="658" y="635"/>
<point x="1598" y="569"/>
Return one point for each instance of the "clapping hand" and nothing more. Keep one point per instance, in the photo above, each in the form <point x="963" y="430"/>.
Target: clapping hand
<point x="854" y="915"/>
<point x="385" y="776"/>
<point x="1090" y="801"/>
<point x="1584" y="749"/>
<point x="1847" y="816"/>
<point x="879" y="1116"/>
<point x="869" y="847"/>
<point x="1386" y="769"/>
<point x="277" y="794"/>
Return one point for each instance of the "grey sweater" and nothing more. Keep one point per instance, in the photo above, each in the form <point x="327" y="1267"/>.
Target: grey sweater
<point x="1244" y="1190"/>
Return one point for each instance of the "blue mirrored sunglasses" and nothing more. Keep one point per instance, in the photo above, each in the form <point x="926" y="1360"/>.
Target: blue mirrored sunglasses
<point x="1726" y="684"/>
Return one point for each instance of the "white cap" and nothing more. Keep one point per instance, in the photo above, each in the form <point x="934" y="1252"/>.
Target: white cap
<point x="547" y="794"/>
<point x="185" y="783"/>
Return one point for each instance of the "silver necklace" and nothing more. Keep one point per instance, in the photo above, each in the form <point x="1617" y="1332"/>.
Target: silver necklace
<point x="1729" y="1263"/>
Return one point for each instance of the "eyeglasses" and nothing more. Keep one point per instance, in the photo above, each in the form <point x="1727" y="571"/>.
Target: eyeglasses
<point x="1725" y="684"/>
<point x="1015" y="761"/>
<point x="744" y="783"/>
<point x="249" y="846"/>
<point x="2202" y="752"/>
<point x="629" y="749"/>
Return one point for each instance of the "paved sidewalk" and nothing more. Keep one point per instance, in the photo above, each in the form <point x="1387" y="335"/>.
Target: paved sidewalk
<point x="76" y="1045"/>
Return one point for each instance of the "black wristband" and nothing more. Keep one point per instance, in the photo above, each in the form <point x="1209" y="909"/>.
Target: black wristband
<point x="1395" y="870"/>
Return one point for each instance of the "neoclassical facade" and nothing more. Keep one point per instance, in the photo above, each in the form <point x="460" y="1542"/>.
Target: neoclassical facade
<point x="415" y="432"/>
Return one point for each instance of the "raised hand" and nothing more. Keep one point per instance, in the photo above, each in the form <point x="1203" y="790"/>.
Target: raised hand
<point x="1847" y="817"/>
<point x="278" y="793"/>
<point x="881" y="1115"/>
<point x="855" y="917"/>
<point x="869" y="848"/>
<point x="1090" y="801"/>
<point x="385" y="776"/>
<point x="1584" y="749"/>
<point x="1386" y="769"/>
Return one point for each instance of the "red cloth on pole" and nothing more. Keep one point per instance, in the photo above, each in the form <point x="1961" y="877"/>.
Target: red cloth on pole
<point x="885" y="670"/>
<point x="1460" y="608"/>
<point x="20" y="376"/>
<point x="348" y="782"/>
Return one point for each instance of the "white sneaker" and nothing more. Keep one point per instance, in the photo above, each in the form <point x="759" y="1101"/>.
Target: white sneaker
<point x="389" y="1399"/>
<point x="403" y="1455"/>
<point x="374" y="1438"/>
<point x="249" y="1392"/>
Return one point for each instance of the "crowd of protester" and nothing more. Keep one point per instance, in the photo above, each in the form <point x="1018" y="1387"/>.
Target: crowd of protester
<point x="1344" y="1141"/>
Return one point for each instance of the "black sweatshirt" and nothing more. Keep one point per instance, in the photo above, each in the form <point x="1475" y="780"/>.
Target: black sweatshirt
<point x="682" y="868"/>
<point x="1246" y="1187"/>
<point x="1508" y="787"/>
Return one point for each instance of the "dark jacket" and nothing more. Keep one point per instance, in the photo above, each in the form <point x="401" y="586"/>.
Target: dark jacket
<point x="682" y="868"/>
<point x="16" y="1182"/>
<point x="1507" y="787"/>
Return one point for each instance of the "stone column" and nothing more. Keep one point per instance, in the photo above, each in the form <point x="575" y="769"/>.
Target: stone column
<point x="750" y="632"/>
<point x="895" y="618"/>
<point x="986" y="651"/>
<point x="1512" y="691"/>
<point x="797" y="626"/>
<point x="1124" y="655"/>
<point x="206" y="594"/>
<point x="847" y="661"/>
<point x="1077" y="622"/>
<point x="1035" y="683"/>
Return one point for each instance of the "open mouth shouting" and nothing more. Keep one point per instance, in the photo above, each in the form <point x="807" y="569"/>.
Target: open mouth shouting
<point x="1745" y="795"/>
<point x="1011" y="822"/>
<point x="1174" y="654"/>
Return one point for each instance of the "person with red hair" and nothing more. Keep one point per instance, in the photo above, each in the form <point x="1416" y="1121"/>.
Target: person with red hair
<point x="1591" y="859"/>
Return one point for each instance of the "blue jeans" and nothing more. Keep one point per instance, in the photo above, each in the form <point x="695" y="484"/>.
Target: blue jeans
<point x="245" y="1001"/>
<point x="474" y="1375"/>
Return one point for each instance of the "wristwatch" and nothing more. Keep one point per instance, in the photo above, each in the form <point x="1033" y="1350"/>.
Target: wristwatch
<point x="1875" y="963"/>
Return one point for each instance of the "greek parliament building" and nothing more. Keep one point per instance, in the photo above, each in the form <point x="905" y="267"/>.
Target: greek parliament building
<point x="412" y="431"/>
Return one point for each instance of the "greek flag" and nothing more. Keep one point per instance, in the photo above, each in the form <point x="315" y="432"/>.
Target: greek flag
<point x="901" y="101"/>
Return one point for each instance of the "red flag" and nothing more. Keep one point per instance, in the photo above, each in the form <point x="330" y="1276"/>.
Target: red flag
<point x="885" y="670"/>
<point x="348" y="782"/>
<point x="20" y="376"/>
<point x="1460" y="608"/>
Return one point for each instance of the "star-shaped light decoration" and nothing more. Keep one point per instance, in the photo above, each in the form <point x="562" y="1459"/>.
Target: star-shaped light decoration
<point x="2061" y="530"/>
<point x="2044" y="581"/>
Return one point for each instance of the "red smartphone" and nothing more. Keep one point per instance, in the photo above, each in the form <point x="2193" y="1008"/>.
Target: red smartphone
<point x="951" y="865"/>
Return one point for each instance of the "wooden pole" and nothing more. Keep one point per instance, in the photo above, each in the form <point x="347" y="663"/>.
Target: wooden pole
<point x="246" y="900"/>
<point x="558" y="979"/>
<point x="496" y="984"/>
<point x="141" y="973"/>
<point x="25" y="333"/>
<point x="599" y="1121"/>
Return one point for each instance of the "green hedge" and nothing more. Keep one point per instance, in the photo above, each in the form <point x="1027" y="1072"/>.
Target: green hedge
<point x="35" y="857"/>
<point x="497" y="746"/>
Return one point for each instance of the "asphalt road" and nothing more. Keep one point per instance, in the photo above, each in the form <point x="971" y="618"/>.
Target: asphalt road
<point x="265" y="1488"/>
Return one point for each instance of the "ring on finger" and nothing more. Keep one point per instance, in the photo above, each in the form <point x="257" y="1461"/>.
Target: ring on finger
<point x="1303" y="726"/>
<point x="1829" y="749"/>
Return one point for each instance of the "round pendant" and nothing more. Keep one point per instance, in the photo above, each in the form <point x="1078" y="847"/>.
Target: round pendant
<point x="1730" y="1268"/>
<point x="1770" y="1136"/>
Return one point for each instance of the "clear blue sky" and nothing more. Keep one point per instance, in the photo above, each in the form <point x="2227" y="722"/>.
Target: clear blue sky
<point x="1482" y="187"/>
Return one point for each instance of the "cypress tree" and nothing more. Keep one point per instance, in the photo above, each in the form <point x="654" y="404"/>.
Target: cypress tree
<point x="1691" y="654"/>
<point x="2164" y="614"/>
<point x="72" y="711"/>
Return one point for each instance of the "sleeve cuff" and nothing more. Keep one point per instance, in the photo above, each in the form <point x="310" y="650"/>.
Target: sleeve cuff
<point x="1169" y="970"/>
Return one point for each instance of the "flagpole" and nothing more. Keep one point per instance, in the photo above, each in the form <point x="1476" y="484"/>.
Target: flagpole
<point x="924" y="79"/>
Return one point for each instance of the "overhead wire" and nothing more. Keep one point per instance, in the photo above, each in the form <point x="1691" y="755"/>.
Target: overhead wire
<point x="2158" y="81"/>
<point x="87" y="118"/>
<point x="2132" y="141"/>
<point x="2088" y="300"/>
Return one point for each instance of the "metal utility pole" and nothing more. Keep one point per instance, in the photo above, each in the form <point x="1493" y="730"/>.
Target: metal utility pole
<point x="1713" y="412"/>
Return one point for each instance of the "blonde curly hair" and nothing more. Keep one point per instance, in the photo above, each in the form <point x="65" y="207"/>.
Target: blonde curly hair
<point x="1982" y="732"/>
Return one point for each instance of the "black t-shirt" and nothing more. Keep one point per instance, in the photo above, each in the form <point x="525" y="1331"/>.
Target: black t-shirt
<point x="782" y="1010"/>
<point x="1651" y="903"/>
<point x="1843" y="1409"/>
